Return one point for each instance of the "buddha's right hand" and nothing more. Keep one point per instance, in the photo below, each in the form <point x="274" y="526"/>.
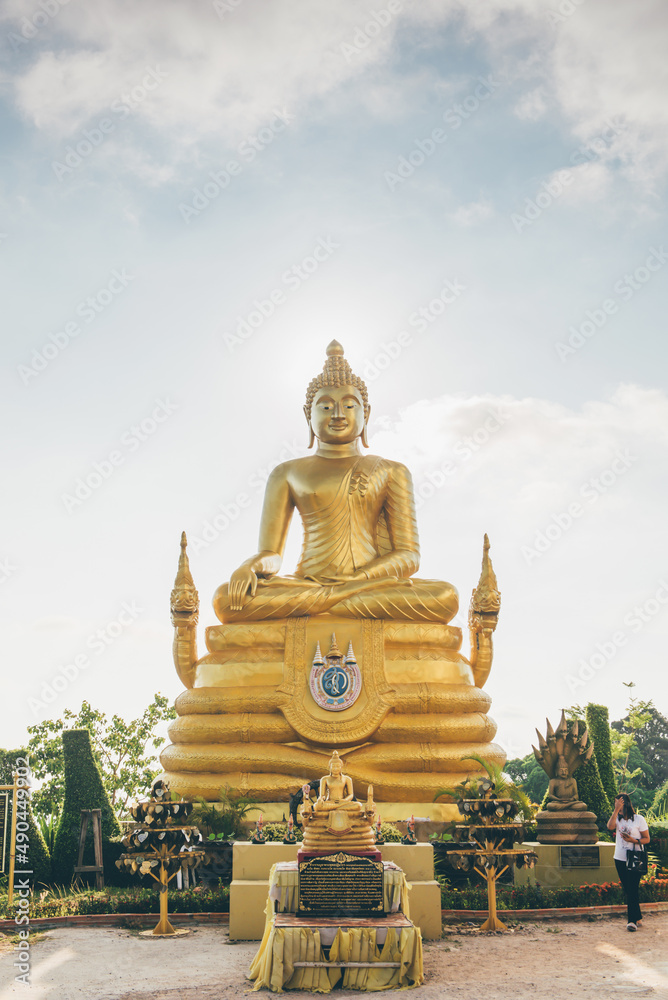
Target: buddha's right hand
<point x="242" y="582"/>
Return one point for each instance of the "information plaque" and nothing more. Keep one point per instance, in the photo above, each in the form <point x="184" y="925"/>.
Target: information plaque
<point x="580" y="856"/>
<point x="340" y="883"/>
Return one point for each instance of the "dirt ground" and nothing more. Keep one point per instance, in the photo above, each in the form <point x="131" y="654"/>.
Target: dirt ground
<point x="580" y="959"/>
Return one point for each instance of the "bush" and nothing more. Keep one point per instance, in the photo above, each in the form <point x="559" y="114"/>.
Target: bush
<point x="137" y="900"/>
<point x="537" y="897"/>
<point x="224" y="819"/>
<point x="275" y="832"/>
<point x="660" y="800"/>
<point x="390" y="833"/>
<point x="83" y="790"/>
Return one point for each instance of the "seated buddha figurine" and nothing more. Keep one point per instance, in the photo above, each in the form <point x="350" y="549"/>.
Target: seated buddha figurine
<point x="337" y="819"/>
<point x="360" y="547"/>
<point x="562" y="790"/>
<point x="565" y="819"/>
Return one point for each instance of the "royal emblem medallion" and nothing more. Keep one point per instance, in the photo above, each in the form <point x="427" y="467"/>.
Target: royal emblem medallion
<point x="335" y="681"/>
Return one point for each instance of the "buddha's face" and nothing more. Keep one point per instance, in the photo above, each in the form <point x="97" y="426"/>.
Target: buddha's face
<point x="562" y="769"/>
<point x="337" y="414"/>
<point x="335" y="768"/>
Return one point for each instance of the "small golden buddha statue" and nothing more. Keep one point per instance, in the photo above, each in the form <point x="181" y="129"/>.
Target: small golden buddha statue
<point x="562" y="790"/>
<point x="565" y="819"/>
<point x="337" y="820"/>
<point x="360" y="546"/>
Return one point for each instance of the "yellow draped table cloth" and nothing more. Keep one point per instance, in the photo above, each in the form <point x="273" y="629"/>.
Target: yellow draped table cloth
<point x="397" y="950"/>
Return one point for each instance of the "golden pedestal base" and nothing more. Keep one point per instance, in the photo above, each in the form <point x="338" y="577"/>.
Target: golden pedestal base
<point x="250" y="721"/>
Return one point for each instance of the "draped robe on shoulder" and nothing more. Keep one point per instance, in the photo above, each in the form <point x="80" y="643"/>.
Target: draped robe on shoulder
<point x="370" y="520"/>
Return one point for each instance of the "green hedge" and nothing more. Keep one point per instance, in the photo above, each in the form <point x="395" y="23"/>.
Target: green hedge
<point x="39" y="859"/>
<point x="591" y="790"/>
<point x="138" y="900"/>
<point x="598" y="724"/>
<point x="83" y="790"/>
<point x="536" y="897"/>
<point x="38" y="853"/>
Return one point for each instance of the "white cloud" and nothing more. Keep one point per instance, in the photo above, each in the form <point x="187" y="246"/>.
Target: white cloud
<point x="227" y="74"/>
<point x="473" y="214"/>
<point x="532" y="105"/>
<point x="513" y="468"/>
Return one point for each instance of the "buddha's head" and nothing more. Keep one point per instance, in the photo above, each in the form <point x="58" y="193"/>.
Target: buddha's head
<point x="562" y="767"/>
<point x="335" y="765"/>
<point x="337" y="404"/>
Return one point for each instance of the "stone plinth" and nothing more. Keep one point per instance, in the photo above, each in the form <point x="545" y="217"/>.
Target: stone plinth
<point x="551" y="873"/>
<point x="250" y="885"/>
<point x="566" y="826"/>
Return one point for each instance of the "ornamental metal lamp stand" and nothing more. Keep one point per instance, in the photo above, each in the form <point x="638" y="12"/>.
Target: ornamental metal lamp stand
<point x="160" y="845"/>
<point x="482" y="841"/>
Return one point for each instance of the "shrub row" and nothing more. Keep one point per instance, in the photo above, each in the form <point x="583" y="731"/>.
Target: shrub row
<point x="138" y="900"/>
<point x="537" y="897"/>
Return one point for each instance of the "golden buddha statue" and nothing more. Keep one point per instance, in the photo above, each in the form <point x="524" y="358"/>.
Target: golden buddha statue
<point x="360" y="533"/>
<point x="263" y="704"/>
<point x="337" y="821"/>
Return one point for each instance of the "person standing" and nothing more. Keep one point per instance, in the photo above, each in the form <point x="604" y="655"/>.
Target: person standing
<point x="632" y="834"/>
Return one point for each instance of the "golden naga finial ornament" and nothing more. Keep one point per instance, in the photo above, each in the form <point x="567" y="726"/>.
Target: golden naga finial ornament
<point x="184" y="607"/>
<point x="261" y="710"/>
<point x="484" y="617"/>
<point x="184" y="599"/>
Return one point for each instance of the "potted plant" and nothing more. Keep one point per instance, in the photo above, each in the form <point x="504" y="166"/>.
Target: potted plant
<point x="221" y="824"/>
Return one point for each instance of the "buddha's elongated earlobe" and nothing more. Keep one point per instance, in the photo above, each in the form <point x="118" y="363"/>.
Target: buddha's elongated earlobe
<point x="311" y="435"/>
<point x="364" y="437"/>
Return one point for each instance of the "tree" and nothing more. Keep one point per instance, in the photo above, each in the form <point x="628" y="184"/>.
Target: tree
<point x="527" y="772"/>
<point x="660" y="802"/>
<point x="84" y="789"/>
<point x="637" y="717"/>
<point x="122" y="751"/>
<point x="598" y="725"/>
<point x="651" y="739"/>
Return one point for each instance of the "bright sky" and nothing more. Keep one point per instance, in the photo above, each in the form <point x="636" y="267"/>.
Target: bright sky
<point x="197" y="197"/>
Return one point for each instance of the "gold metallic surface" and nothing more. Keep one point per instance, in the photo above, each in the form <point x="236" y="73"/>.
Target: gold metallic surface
<point x="248" y="727"/>
<point x="483" y="618"/>
<point x="249" y="718"/>
<point x="337" y="821"/>
<point x="184" y="607"/>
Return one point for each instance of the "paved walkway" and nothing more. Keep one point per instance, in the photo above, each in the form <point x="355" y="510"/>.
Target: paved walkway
<point x="583" y="960"/>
